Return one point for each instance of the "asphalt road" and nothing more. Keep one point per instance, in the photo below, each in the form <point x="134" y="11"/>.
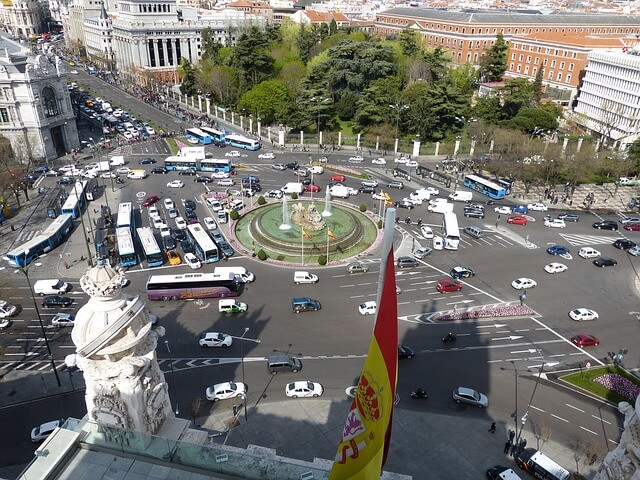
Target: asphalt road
<point x="333" y="341"/>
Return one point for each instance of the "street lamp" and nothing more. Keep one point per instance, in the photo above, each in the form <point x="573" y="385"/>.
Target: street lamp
<point x="110" y="176"/>
<point x="242" y="339"/>
<point x="173" y="376"/>
<point x="25" y="270"/>
<point x="398" y="107"/>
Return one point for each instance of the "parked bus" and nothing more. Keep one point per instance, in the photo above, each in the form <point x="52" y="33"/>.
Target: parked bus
<point x="152" y="252"/>
<point x="54" y="208"/>
<point x="204" y="246"/>
<point x="484" y="186"/>
<point x="125" y="215"/>
<point x="192" y="285"/>
<point x="126" y="251"/>
<point x="180" y="163"/>
<point x="75" y="202"/>
<point x="216" y="165"/>
<point x="50" y="238"/>
<point x="450" y="231"/>
<point x="242" y="142"/>
<point x="198" y="135"/>
<point x="217" y="136"/>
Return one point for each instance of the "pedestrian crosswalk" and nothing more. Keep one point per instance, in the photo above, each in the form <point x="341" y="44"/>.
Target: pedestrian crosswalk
<point x="26" y="235"/>
<point x="578" y="240"/>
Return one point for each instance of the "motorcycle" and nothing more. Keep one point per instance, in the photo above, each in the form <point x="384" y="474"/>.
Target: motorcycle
<point x="407" y="220"/>
<point x="419" y="393"/>
<point x="450" y="338"/>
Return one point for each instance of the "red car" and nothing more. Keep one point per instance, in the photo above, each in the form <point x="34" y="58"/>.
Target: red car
<point x="338" y="177"/>
<point x="517" y="220"/>
<point x="444" y="286"/>
<point x="633" y="227"/>
<point x="150" y="200"/>
<point x="584" y="340"/>
<point x="312" y="188"/>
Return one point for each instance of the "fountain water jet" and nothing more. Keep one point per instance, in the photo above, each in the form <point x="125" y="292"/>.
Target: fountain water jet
<point x="286" y="225"/>
<point x="327" y="204"/>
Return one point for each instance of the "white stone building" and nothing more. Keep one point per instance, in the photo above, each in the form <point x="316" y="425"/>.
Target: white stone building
<point x="35" y="109"/>
<point x="609" y="100"/>
<point x="23" y="18"/>
<point x="99" y="41"/>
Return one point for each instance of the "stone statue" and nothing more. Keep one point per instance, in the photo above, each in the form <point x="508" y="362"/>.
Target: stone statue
<point x="623" y="463"/>
<point x="308" y="218"/>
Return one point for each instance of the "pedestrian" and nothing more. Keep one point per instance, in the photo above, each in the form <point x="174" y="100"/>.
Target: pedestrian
<point x="492" y="428"/>
<point x="512" y="435"/>
<point x="507" y="446"/>
<point x="235" y="409"/>
<point x="66" y="265"/>
<point x="513" y="449"/>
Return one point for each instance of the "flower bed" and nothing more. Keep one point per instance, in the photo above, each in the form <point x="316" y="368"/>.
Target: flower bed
<point x="514" y="310"/>
<point x="346" y="170"/>
<point x="620" y="385"/>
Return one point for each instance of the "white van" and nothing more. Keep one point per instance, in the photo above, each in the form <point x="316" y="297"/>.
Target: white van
<point x="292" y="187"/>
<point x="461" y="196"/>
<point x="304" y="277"/>
<point x="438" y="243"/>
<point x="51" y="287"/>
<point x="228" y="305"/>
<point x="440" y="207"/>
<point x="588" y="252"/>
<point x="116" y="161"/>
<point x="242" y="273"/>
<point x="137" y="174"/>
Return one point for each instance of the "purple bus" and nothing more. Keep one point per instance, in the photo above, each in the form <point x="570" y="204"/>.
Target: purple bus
<point x="192" y="285"/>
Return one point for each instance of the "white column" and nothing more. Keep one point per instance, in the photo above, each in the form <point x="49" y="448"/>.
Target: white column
<point x="456" y="147"/>
<point x="281" y="137"/>
<point x="156" y="53"/>
<point x="358" y="141"/>
<point x="377" y="143"/>
<point x="339" y="139"/>
<point x="259" y="128"/>
<point x="174" y="51"/>
<point x="416" y="147"/>
<point x="233" y="114"/>
<point x="320" y="139"/>
<point x="491" y="147"/>
<point x="395" y="147"/>
<point x="199" y="103"/>
<point x="208" y="103"/>
<point x="251" y="125"/>
<point x="301" y="138"/>
<point x="437" y="148"/>
<point x="473" y="148"/>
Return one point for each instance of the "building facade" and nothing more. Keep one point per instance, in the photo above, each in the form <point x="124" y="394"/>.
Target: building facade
<point x="35" y="109"/>
<point x="99" y="41"/>
<point x="24" y="18"/>
<point x="609" y="100"/>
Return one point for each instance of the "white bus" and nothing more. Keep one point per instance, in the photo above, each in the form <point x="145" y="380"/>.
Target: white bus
<point x="203" y="244"/>
<point x="126" y="250"/>
<point x="450" y="231"/>
<point x="150" y="246"/>
<point x="125" y="215"/>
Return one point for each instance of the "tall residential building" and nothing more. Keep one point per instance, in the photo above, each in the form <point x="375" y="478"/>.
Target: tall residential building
<point x="24" y="18"/>
<point x="609" y="99"/>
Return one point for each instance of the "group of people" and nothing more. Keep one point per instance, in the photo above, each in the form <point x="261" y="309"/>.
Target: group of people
<point x="513" y="446"/>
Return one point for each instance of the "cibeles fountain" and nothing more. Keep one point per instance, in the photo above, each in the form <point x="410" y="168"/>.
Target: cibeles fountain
<point x="116" y="350"/>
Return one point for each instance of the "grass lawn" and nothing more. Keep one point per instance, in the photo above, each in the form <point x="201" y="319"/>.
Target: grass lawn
<point x="585" y="381"/>
<point x="173" y="146"/>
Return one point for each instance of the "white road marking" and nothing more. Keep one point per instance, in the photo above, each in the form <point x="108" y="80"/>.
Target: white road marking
<point x="560" y="418"/>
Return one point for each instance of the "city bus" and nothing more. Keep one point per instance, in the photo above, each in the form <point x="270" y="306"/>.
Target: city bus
<point x="126" y="251"/>
<point x="74" y="203"/>
<point x="217" y="136"/>
<point x="198" y="135"/>
<point x="484" y="186"/>
<point x="149" y="244"/>
<point x="204" y="246"/>
<point x="50" y="238"/>
<point x="125" y="215"/>
<point x="242" y="142"/>
<point x="216" y="165"/>
<point x="180" y="163"/>
<point x="450" y="231"/>
<point x="54" y="208"/>
<point x="506" y="183"/>
<point x="192" y="285"/>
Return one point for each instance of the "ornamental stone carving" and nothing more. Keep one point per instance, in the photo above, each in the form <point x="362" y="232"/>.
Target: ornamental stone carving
<point x="307" y="218"/>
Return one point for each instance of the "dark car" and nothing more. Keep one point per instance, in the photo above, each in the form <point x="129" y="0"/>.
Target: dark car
<point x="150" y="200"/>
<point x="624" y="244"/>
<point x="406" y="262"/>
<point x="404" y="204"/>
<point x="405" y="352"/>
<point x="65" y="181"/>
<point x="169" y="242"/>
<point x="606" y="225"/>
<point x="190" y="204"/>
<point x="519" y="209"/>
<point x="557" y="250"/>
<point x="147" y="161"/>
<point x="187" y="246"/>
<point x="190" y="214"/>
<point x="604" y="262"/>
<point x="254" y="186"/>
<point x="179" y="233"/>
<point x="56" y="301"/>
<point x="225" y="248"/>
<point x="203" y="179"/>
<point x="292" y="165"/>
<point x="474" y="213"/>
<point x="461" y="272"/>
<point x="569" y="217"/>
<point x="188" y="171"/>
<point x="159" y="170"/>
<point x="251" y="179"/>
<point x="494" y="473"/>
<point x="306" y="181"/>
<point x="33" y="176"/>
<point x="367" y="189"/>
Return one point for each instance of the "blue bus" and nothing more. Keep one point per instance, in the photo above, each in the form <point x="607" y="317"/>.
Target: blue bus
<point x="180" y="163"/>
<point x="198" y="136"/>
<point x="75" y="201"/>
<point x="204" y="246"/>
<point x="50" y="238"/>
<point x="242" y="142"/>
<point x="152" y="252"/>
<point x="216" y="165"/>
<point x="126" y="251"/>
<point x="217" y="136"/>
<point x="484" y="186"/>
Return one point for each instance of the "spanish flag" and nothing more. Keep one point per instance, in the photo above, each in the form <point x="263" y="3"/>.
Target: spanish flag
<point x="365" y="439"/>
<point x="305" y="234"/>
<point x="331" y="235"/>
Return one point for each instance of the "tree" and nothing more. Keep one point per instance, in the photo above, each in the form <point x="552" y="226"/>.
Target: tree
<point x="489" y="109"/>
<point x="408" y="40"/>
<point x="516" y="94"/>
<point x="269" y="99"/>
<point x="494" y="63"/>
<point x="250" y="57"/>
<point x="534" y="121"/>
<point x="13" y="172"/>
<point x="188" y="74"/>
<point x="373" y="107"/>
<point x="536" y="88"/>
<point x="220" y="81"/>
<point x="210" y="46"/>
<point x="305" y="43"/>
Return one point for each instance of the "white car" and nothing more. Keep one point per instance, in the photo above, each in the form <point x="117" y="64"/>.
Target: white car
<point x="168" y="203"/>
<point x="74" y="72"/>
<point x="412" y="164"/>
<point x="63" y="320"/>
<point x="303" y="389"/>
<point x="8" y="309"/>
<point x="173" y="213"/>
<point x="356" y="159"/>
<point x="438" y="242"/>
<point x="215" y="205"/>
<point x="402" y="160"/>
<point x="267" y="155"/>
<point x="210" y="223"/>
<point x="175" y="184"/>
<point x="165" y="231"/>
<point x="226" y="182"/>
<point x="555" y="223"/>
<point x="181" y="223"/>
<point x="279" y="166"/>
<point x="368" y="308"/>
<point x="635" y="251"/>
<point x="316" y="170"/>
<point x="274" y="194"/>
<point x="193" y="261"/>
<point x="378" y="196"/>
<point x="109" y="175"/>
<point x="426" y="231"/>
<point x="215" y="339"/>
<point x="43" y="431"/>
<point x="226" y="390"/>
<point x="150" y="130"/>
<point x="192" y="140"/>
<point x="588" y="252"/>
<point x="555" y="267"/>
<point x="232" y="153"/>
<point x="123" y="170"/>
<point x="67" y="168"/>
<point x="220" y="175"/>
<point x="379" y="161"/>
<point x="583" y="315"/>
<point x="352" y="191"/>
<point x="157" y="222"/>
<point x="153" y="213"/>
<point x="538" y="207"/>
<point x="504" y="210"/>
<point x="432" y="190"/>
<point x="127" y="134"/>
<point x="523" y="283"/>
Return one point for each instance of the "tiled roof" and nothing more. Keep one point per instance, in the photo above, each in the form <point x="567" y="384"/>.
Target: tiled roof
<point x="578" y="39"/>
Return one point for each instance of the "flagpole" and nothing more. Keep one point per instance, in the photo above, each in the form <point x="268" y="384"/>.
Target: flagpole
<point x="328" y="240"/>
<point x="302" y="244"/>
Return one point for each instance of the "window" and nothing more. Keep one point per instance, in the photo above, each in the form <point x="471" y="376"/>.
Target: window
<point x="568" y="79"/>
<point x="562" y="65"/>
<point x="571" y="67"/>
<point x="559" y="78"/>
<point x="49" y="102"/>
<point x="553" y="64"/>
<point x="4" y="115"/>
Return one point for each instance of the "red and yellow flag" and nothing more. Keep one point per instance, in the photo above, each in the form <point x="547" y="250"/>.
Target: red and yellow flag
<point x="331" y="235"/>
<point x="305" y="234"/>
<point x="365" y="439"/>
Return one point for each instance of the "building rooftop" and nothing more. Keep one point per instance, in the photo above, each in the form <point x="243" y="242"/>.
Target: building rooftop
<point x="579" y="39"/>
